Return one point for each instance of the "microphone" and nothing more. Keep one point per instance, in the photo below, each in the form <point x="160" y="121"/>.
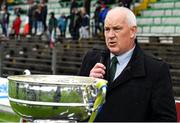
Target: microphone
<point x="102" y="51"/>
<point x="104" y="59"/>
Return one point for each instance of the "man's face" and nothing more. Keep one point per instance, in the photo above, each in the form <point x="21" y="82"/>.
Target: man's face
<point x="119" y="35"/>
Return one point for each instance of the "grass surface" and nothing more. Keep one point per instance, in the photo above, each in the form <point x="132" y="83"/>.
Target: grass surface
<point x="9" y="117"/>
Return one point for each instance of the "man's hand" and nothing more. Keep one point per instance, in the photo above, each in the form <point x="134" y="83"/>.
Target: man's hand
<point x="98" y="71"/>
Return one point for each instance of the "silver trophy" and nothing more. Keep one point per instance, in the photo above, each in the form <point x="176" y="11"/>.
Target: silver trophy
<point x="56" y="97"/>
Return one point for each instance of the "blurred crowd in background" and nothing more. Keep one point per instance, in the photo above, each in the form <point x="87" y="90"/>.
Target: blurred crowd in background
<point x="77" y="23"/>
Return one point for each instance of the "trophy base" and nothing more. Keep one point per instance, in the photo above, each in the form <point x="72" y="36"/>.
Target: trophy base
<point x="54" y="121"/>
<point x="23" y="120"/>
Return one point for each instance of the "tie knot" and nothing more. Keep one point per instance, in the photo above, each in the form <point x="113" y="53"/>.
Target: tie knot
<point x="114" y="60"/>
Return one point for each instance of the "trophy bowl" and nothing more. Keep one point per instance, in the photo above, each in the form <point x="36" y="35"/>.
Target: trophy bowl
<point x="52" y="96"/>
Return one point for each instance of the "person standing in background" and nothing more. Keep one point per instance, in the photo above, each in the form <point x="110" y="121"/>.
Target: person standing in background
<point x="38" y="20"/>
<point x="97" y="20"/>
<point x="75" y="23"/>
<point x="73" y="5"/>
<point x="62" y="24"/>
<point x="30" y="13"/>
<point x="52" y="26"/>
<point x="16" y="26"/>
<point x="84" y="28"/>
<point x="4" y="20"/>
<point x="44" y="14"/>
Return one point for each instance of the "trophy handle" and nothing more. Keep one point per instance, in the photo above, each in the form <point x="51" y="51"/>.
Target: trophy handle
<point x="100" y="99"/>
<point x="27" y="72"/>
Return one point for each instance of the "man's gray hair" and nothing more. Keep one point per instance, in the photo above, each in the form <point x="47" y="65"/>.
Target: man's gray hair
<point x="131" y="18"/>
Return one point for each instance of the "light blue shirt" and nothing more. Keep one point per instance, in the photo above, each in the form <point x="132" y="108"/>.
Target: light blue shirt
<point x="123" y="60"/>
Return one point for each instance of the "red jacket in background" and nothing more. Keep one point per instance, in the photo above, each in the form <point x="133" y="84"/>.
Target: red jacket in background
<point x="16" y="25"/>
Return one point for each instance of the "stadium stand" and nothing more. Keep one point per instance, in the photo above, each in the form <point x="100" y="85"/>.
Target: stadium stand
<point x="161" y="18"/>
<point x="39" y="58"/>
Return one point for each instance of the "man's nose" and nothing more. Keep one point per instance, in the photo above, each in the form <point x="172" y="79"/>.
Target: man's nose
<point x="111" y="33"/>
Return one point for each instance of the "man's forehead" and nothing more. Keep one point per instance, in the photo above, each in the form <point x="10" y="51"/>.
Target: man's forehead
<point x="116" y="12"/>
<point x="114" y="20"/>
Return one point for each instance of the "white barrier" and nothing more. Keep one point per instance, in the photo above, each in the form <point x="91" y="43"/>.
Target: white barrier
<point x="4" y="92"/>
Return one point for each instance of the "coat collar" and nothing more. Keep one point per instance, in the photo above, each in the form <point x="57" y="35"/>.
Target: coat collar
<point x="135" y="68"/>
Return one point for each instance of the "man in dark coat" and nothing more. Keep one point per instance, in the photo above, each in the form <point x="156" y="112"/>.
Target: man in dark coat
<point x="141" y="89"/>
<point x="73" y="5"/>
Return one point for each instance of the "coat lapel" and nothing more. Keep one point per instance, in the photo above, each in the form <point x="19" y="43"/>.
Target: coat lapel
<point x="135" y="68"/>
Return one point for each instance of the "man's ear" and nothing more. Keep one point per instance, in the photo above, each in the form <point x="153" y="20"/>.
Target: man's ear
<point x="133" y="31"/>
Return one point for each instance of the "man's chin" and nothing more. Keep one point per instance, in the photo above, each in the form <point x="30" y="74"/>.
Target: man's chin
<point x="114" y="51"/>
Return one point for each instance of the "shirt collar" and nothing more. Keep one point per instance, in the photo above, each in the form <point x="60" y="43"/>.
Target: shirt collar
<point x="125" y="56"/>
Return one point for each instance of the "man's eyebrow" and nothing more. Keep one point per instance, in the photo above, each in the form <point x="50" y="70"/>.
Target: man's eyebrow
<point x="117" y="25"/>
<point x="106" y="27"/>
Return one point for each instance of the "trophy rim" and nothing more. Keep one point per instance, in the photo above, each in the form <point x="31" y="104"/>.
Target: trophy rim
<point x="53" y="79"/>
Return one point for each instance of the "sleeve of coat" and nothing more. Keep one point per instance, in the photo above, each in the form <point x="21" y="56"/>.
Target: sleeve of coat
<point x="89" y="60"/>
<point x="85" y="70"/>
<point x="163" y="103"/>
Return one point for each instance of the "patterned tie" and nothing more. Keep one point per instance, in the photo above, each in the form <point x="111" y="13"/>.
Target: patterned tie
<point x="112" y="69"/>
